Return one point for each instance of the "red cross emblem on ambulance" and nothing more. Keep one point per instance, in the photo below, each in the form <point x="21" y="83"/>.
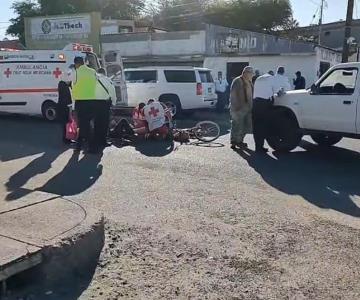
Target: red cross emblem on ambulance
<point x="7" y="72"/>
<point x="57" y="73"/>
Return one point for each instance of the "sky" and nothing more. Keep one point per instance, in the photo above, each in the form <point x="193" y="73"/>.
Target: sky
<point x="303" y="11"/>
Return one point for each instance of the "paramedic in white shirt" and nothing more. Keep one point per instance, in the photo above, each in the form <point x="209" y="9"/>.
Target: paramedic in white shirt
<point x="281" y="81"/>
<point x="221" y="86"/>
<point x="105" y="89"/>
<point x="155" y="115"/>
<point x="264" y="91"/>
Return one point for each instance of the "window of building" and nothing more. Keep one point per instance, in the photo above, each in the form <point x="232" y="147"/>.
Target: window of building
<point x="125" y="29"/>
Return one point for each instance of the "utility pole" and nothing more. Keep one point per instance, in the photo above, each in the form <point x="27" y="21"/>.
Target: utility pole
<point x="348" y="24"/>
<point x="321" y="20"/>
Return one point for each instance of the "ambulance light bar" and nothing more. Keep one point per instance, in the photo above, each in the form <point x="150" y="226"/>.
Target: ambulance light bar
<point x="82" y="48"/>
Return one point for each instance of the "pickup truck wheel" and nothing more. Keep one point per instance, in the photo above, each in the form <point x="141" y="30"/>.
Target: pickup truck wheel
<point x="285" y="135"/>
<point x="326" y="140"/>
<point x="49" y="110"/>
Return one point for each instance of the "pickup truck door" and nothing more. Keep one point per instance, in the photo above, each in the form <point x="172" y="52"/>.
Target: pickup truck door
<point x="332" y="104"/>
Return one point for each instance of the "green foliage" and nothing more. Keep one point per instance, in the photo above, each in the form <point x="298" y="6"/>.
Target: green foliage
<point x="180" y="14"/>
<point x="22" y="9"/>
<point x="255" y="15"/>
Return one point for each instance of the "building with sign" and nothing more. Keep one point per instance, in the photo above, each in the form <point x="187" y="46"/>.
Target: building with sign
<point x="55" y="32"/>
<point x="222" y="49"/>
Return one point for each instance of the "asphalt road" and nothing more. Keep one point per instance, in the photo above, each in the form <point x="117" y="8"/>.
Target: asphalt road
<point x="203" y="222"/>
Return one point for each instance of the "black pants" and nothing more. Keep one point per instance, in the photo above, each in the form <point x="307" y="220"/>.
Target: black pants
<point x="63" y="112"/>
<point x="261" y="112"/>
<point x="98" y="111"/>
<point x="102" y="122"/>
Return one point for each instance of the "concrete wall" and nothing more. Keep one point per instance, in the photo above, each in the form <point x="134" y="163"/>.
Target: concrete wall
<point x="222" y="41"/>
<point x="292" y="63"/>
<point x="156" y="44"/>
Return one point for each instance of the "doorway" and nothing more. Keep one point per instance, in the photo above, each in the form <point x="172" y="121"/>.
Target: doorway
<point x="234" y="70"/>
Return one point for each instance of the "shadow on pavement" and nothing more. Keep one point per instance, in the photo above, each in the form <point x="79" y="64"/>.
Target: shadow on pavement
<point x="77" y="176"/>
<point x="38" y="166"/>
<point x="154" y="148"/>
<point x="25" y="137"/>
<point x="326" y="178"/>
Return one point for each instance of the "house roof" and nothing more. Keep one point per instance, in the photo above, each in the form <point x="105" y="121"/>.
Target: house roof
<point x="12" y="44"/>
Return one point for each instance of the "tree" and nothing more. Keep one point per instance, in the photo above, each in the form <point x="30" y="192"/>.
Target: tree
<point x="116" y="9"/>
<point x="122" y="9"/>
<point x="180" y="14"/>
<point x="256" y="15"/>
<point x="22" y="9"/>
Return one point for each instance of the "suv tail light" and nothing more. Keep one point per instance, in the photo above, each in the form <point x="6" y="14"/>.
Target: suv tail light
<point x="199" y="89"/>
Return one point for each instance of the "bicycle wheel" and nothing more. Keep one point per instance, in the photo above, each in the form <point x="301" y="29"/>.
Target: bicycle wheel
<point x="207" y="131"/>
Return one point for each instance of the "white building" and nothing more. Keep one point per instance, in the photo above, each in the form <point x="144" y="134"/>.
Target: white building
<point x="222" y="49"/>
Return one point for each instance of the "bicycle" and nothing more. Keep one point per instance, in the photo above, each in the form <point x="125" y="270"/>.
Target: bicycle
<point x="205" y="131"/>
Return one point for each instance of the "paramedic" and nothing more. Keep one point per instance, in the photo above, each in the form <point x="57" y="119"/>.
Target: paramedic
<point x="155" y="117"/>
<point x="105" y="91"/>
<point x="63" y="107"/>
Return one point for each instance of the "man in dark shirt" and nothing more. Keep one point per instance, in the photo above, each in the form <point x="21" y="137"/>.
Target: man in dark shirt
<point x="299" y="82"/>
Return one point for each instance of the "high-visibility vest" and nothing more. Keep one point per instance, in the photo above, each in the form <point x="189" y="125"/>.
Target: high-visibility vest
<point x="85" y="85"/>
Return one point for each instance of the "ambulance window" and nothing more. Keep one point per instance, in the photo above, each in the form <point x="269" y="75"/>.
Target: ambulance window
<point x="110" y="57"/>
<point x="92" y="61"/>
<point x="112" y="70"/>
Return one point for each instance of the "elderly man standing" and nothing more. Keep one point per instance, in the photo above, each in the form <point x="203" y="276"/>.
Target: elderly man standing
<point x="241" y="98"/>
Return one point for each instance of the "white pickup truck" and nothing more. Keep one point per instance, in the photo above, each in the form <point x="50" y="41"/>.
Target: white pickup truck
<point x="328" y="111"/>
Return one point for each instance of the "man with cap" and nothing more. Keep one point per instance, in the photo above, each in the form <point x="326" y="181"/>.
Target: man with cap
<point x="241" y="98"/>
<point x="89" y="104"/>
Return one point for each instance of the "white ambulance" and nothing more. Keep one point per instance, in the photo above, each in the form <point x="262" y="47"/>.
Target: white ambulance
<point x="29" y="78"/>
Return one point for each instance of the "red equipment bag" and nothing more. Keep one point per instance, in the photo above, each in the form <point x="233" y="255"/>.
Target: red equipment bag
<point x="72" y="131"/>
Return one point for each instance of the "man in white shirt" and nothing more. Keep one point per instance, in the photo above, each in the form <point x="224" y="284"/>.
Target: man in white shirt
<point x="264" y="90"/>
<point x="282" y="82"/>
<point x="221" y="86"/>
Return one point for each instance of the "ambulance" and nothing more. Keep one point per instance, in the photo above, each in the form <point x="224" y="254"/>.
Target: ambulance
<point x="29" y="78"/>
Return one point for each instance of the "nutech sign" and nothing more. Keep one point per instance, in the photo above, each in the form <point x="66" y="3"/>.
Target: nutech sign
<point x="58" y="28"/>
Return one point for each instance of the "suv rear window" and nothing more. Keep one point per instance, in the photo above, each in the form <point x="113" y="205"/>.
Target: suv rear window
<point x="206" y="76"/>
<point x="141" y="76"/>
<point x="180" y="76"/>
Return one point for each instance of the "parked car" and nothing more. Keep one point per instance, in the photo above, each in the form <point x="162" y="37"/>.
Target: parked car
<point x="182" y="88"/>
<point x="328" y="111"/>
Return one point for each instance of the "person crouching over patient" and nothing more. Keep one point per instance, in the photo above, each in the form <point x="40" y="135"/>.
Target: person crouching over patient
<point x="155" y="117"/>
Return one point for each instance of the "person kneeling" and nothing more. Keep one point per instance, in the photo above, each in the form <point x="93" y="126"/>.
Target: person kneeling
<point x="155" y="117"/>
